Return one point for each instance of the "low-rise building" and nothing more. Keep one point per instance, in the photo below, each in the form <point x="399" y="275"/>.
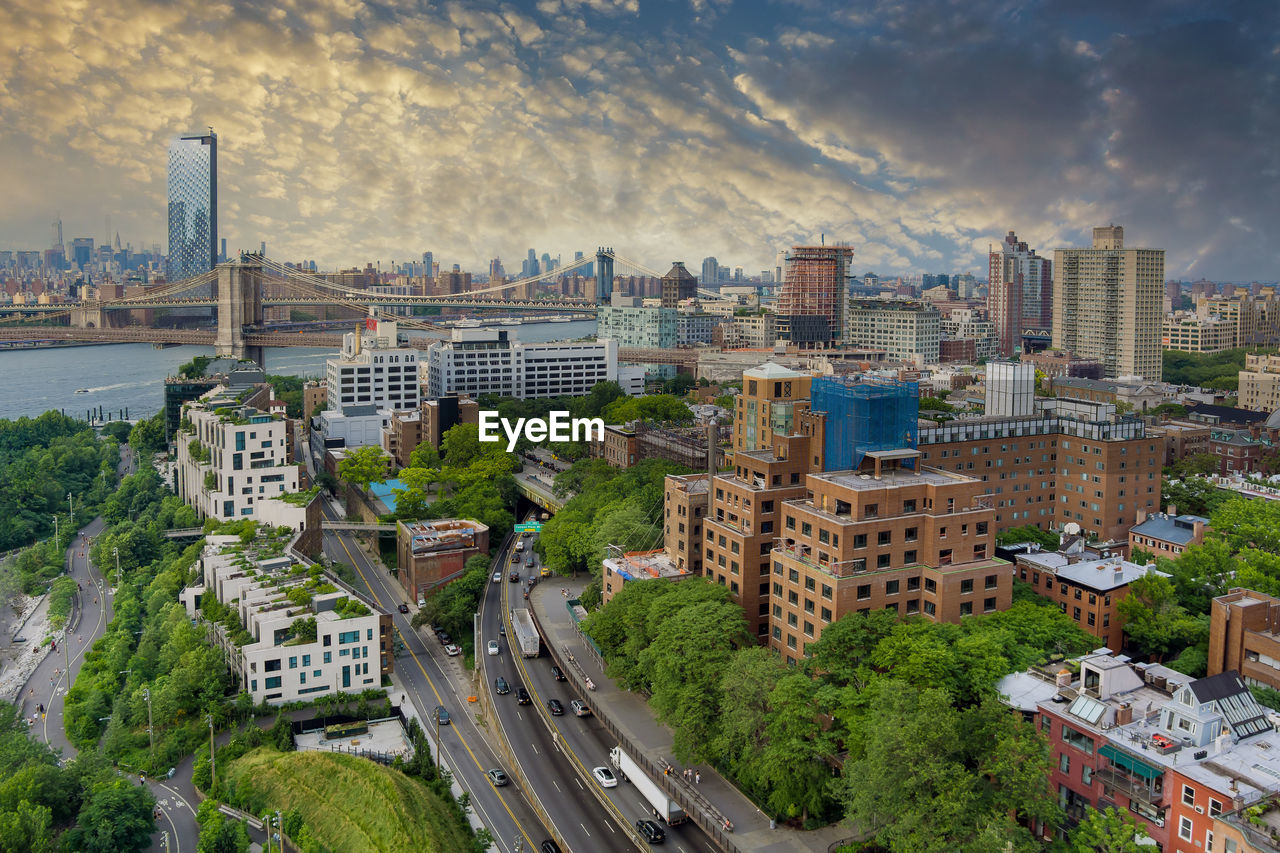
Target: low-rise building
<point x="1259" y="388"/>
<point x="1086" y="587"/>
<point x="492" y="361"/>
<point x="906" y="330"/>
<point x="1167" y="534"/>
<point x="296" y="634"/>
<point x="621" y="567"/>
<point x="432" y="553"/>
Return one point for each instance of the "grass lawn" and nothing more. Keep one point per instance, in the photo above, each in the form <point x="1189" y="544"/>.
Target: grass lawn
<point x="349" y="803"/>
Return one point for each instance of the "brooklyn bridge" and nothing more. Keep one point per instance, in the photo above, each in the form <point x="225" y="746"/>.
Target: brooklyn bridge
<point x="239" y="290"/>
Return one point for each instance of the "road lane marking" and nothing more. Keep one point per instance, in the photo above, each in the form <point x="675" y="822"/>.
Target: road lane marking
<point x="440" y="746"/>
<point x="584" y="829"/>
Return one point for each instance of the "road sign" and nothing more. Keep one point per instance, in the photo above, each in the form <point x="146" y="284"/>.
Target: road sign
<point x="529" y="527"/>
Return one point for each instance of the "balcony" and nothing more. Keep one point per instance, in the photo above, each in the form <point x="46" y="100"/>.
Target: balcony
<point x="1135" y="788"/>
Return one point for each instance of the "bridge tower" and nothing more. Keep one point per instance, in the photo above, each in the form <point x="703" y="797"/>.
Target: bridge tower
<point x="89" y="315"/>
<point x="604" y="275"/>
<point x="239" y="305"/>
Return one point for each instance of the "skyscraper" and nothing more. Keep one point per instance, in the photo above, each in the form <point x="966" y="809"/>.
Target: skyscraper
<point x="193" y="205"/>
<point x="678" y="284"/>
<point x="1107" y="304"/>
<point x="814" y="286"/>
<point x="1019" y="291"/>
<point x="710" y="272"/>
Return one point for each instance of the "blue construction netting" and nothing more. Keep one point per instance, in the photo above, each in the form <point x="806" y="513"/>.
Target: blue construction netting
<point x="866" y="413"/>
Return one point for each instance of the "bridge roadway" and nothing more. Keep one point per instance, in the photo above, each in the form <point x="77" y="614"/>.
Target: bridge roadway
<point x="332" y="340"/>
<point x="458" y="301"/>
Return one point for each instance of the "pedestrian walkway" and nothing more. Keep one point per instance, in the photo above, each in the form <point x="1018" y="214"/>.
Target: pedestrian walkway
<point x="630" y="714"/>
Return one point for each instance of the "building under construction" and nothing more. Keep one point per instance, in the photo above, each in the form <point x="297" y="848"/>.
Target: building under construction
<point x="811" y="305"/>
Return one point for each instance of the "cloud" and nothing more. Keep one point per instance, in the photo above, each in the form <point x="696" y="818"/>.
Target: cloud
<point x="918" y="131"/>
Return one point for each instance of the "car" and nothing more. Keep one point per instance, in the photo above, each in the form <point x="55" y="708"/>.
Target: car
<point x="554" y="706"/>
<point x="650" y="831"/>
<point x="549" y="846"/>
<point x="497" y="777"/>
<point x="522" y="696"/>
<point x="497" y="576"/>
<point x="528" y="561"/>
<point x="501" y="687"/>
<point x="605" y="777"/>
<point x="452" y="651"/>
<point x="502" y="629"/>
<point x="557" y="674"/>
<point x="546" y="571"/>
<point x="492" y="648"/>
<point x="404" y="608"/>
<point x="514" y="577"/>
<point x="442" y="716"/>
<point x="443" y="636"/>
<point x="580" y="708"/>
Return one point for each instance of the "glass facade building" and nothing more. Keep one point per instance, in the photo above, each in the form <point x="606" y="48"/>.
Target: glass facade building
<point x="193" y="205"/>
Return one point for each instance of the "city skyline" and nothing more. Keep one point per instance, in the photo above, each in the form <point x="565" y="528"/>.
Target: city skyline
<point x="370" y="134"/>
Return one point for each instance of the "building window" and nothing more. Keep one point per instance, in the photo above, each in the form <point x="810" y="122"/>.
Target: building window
<point x="966" y="586"/>
<point x="826" y="591"/>
<point x="1215" y="807"/>
<point x="1188" y="795"/>
<point x="990" y="582"/>
<point x="1086" y="774"/>
<point x="891" y="587"/>
<point x="1064" y="763"/>
<point x="988" y="605"/>
<point x="864" y="591"/>
<point x="930" y="585"/>
<point x="966" y="608"/>
<point x="1184" y="828"/>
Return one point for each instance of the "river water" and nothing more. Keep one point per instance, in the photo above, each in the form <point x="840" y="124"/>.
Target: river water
<point x="131" y="376"/>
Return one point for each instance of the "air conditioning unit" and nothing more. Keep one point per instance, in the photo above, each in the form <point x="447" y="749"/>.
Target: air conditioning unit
<point x="1199" y="809"/>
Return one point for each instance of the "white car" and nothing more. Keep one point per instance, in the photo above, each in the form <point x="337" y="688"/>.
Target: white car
<point x="452" y="651"/>
<point x="605" y="777"/>
<point x="493" y="647"/>
<point x="497" y="577"/>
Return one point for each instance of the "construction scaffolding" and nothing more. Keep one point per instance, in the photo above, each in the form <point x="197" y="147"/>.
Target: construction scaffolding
<point x="864" y="414"/>
<point x="815" y="285"/>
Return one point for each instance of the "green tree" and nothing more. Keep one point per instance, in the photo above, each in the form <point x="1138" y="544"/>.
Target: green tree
<point x="1195" y="465"/>
<point x="147" y="435"/>
<point x="460" y="445"/>
<point x="1108" y="831"/>
<point x="26" y="828"/>
<point x="1194" y="495"/>
<point x="1047" y="539"/>
<point x="1155" y="621"/>
<point x="223" y="835"/>
<point x="116" y="818"/>
<point x="363" y="466"/>
<point x="280" y="735"/>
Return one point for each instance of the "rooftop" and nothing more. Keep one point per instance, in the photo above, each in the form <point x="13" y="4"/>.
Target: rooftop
<point x="1179" y="529"/>
<point x="1102" y="575"/>
<point x="892" y="478"/>
<point x="771" y="370"/>
<point x="645" y="565"/>
<point x="444" y="535"/>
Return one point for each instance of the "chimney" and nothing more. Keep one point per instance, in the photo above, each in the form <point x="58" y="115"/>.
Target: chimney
<point x="359" y="335"/>
<point x="1064" y="678"/>
<point x="1172" y="510"/>
<point x="1124" y="714"/>
<point x="1197" y="530"/>
<point x="1142" y="516"/>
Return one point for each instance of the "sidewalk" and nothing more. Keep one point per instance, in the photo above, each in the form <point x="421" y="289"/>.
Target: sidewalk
<point x="630" y="714"/>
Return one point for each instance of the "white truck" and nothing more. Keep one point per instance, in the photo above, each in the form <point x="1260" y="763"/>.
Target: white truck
<point x="630" y="771"/>
<point x="526" y="634"/>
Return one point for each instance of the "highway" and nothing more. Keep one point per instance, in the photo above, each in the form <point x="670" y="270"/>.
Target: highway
<point x="583" y="742"/>
<point x="430" y="678"/>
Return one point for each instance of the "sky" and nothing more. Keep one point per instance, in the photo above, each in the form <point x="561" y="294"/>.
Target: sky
<point x="917" y="132"/>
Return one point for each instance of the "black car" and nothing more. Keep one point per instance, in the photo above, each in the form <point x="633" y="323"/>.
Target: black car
<point x="557" y="674"/>
<point x="501" y="687"/>
<point x="549" y="846"/>
<point x="554" y="706"/>
<point x="514" y="577"/>
<point x="650" y="831"/>
<point x="522" y="696"/>
<point x="404" y="608"/>
<point x="442" y="716"/>
<point x="444" y="638"/>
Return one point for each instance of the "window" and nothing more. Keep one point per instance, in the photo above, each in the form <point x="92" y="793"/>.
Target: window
<point x="908" y="557"/>
<point x="859" y="540"/>
<point x="1184" y="828"/>
<point x="1064" y="763"/>
<point x="272" y="683"/>
<point x="930" y="585"/>
<point x="966" y="586"/>
<point x="1086" y="774"/>
<point x="1079" y="740"/>
<point x="1215" y="807"/>
<point x="864" y="591"/>
<point x="911" y="534"/>
<point x="989" y="582"/>
<point x="885" y="538"/>
<point x="891" y="587"/>
<point x="826" y="591"/>
<point x="988" y="605"/>
<point x="1188" y="795"/>
<point x="966" y="608"/>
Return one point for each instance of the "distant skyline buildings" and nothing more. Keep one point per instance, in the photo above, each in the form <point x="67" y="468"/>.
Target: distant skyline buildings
<point x="193" y="205"/>
<point x="1019" y="291"/>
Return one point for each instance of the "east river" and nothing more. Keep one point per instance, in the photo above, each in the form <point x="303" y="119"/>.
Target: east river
<point x="120" y="376"/>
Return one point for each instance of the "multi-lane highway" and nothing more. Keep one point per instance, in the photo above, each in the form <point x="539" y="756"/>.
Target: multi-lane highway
<point x="430" y="678"/>
<point x="581" y="743"/>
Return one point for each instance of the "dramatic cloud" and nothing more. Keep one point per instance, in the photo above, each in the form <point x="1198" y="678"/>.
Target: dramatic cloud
<point x="916" y="131"/>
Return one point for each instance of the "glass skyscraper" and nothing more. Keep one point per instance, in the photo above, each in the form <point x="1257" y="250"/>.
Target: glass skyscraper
<point x="193" y="205"/>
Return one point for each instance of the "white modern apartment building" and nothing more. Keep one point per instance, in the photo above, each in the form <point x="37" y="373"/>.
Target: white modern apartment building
<point x="968" y="324"/>
<point x="493" y="361"/>
<point x="373" y="371"/>
<point x="303" y="636"/>
<point x="905" y="330"/>
<point x="632" y="324"/>
<point x="231" y="457"/>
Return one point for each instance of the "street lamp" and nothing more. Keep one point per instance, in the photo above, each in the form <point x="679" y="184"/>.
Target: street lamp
<point x="71" y="509"/>
<point x="116" y="552"/>
<point x="55" y="527"/>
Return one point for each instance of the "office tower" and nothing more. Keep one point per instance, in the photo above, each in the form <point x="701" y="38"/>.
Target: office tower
<point x="222" y="255"/>
<point x="496" y="272"/>
<point x="678" y="284"/>
<point x="1107" y="304"/>
<point x="814" y="286"/>
<point x="82" y="251"/>
<point x="193" y="205"/>
<point x="1019" y="293"/>
<point x="710" y="271"/>
<point x="904" y="330"/>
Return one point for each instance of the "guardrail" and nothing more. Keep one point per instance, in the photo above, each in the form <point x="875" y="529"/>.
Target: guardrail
<point x="708" y="818"/>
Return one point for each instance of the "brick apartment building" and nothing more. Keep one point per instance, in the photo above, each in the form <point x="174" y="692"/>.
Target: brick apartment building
<point x="1244" y="635"/>
<point x="432" y="553"/>
<point x="1167" y="534"/>
<point x="883" y="536"/>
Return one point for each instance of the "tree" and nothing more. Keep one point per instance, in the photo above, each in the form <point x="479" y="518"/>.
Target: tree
<point x="280" y="735"/>
<point x="221" y="834"/>
<point x="1197" y="464"/>
<point x="1155" y="621"/>
<point x="1047" y="539"/>
<point x="116" y="818"/>
<point x="147" y="436"/>
<point x="1194" y="495"/>
<point x="460" y="445"/>
<point x="363" y="466"/>
<point x="119" y="430"/>
<point x="1108" y="831"/>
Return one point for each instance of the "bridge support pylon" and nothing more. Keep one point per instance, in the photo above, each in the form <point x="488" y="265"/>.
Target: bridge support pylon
<point x="239" y="305"/>
<point x="89" y="315"/>
<point x="604" y="275"/>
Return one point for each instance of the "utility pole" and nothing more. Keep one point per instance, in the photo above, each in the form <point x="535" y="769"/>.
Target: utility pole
<point x="151" y="732"/>
<point x="280" y="826"/>
<point x="71" y="510"/>
<point x="55" y="527"/>
<point x="116" y="552"/>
